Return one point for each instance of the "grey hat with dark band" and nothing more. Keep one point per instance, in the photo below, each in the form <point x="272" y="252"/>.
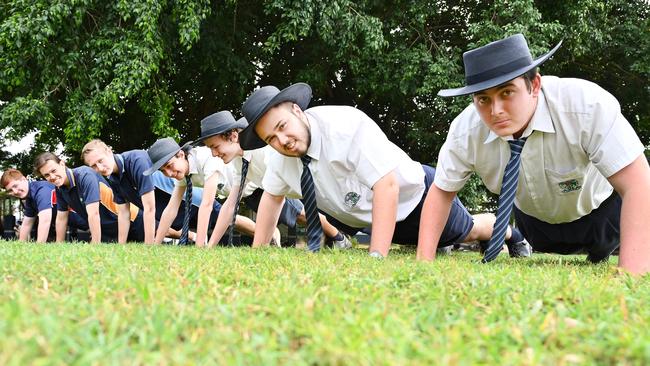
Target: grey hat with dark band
<point x="218" y="123"/>
<point x="161" y="152"/>
<point x="264" y="99"/>
<point x="495" y="64"/>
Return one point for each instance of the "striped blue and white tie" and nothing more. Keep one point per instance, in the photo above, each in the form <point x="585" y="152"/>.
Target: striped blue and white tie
<point x="184" y="240"/>
<point x="506" y="199"/>
<point x="314" y="230"/>
<point x="244" y="172"/>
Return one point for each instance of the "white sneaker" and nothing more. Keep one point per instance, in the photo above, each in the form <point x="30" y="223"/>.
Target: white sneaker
<point x="343" y="244"/>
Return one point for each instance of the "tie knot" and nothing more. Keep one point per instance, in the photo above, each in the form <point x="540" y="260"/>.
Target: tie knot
<point x="305" y="160"/>
<point x="516" y="146"/>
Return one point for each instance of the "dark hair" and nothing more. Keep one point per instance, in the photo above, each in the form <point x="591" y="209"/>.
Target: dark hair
<point x="42" y="159"/>
<point x="529" y="76"/>
<point x="226" y="135"/>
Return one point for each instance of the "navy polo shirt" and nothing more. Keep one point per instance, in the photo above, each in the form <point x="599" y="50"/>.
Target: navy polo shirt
<point x="41" y="196"/>
<point x="86" y="186"/>
<point x="129" y="184"/>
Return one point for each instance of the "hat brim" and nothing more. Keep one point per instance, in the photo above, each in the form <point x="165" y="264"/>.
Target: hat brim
<point x="299" y="93"/>
<point x="162" y="161"/>
<point x="487" y="84"/>
<point x="240" y="123"/>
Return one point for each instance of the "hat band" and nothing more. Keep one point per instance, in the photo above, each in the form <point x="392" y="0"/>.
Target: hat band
<point x="213" y="131"/>
<point x="498" y="71"/>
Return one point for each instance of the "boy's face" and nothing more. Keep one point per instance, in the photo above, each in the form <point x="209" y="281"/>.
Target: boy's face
<point x="223" y="147"/>
<point x="54" y="172"/>
<point x="177" y="167"/>
<point x="18" y="188"/>
<point x="285" y="128"/>
<point x="101" y="161"/>
<point x="506" y="109"/>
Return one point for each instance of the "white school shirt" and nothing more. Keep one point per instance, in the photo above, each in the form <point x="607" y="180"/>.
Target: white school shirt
<point x="576" y="138"/>
<point x="349" y="155"/>
<point x="203" y="165"/>
<point x="258" y="160"/>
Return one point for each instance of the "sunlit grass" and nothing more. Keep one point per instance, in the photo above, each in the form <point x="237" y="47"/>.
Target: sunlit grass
<point x="134" y="304"/>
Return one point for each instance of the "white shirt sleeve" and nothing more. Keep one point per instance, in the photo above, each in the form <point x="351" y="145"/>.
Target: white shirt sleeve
<point x="608" y="138"/>
<point x="371" y="153"/>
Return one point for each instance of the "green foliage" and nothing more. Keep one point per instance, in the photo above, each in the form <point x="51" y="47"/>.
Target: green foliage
<point x="135" y="304"/>
<point x="132" y="71"/>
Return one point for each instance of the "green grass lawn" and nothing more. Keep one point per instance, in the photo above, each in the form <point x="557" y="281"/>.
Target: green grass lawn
<point x="134" y="304"/>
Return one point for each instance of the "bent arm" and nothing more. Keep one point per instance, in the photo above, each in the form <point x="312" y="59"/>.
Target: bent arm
<point x="267" y="218"/>
<point x="44" y="222"/>
<point x="385" y="198"/>
<point x="433" y="218"/>
<point x="632" y="184"/>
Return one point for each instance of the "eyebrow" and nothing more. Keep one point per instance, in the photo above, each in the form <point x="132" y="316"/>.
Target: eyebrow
<point x="274" y="128"/>
<point x="498" y="87"/>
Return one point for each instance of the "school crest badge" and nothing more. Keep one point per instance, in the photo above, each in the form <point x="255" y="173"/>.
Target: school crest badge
<point x="351" y="199"/>
<point x="570" y="186"/>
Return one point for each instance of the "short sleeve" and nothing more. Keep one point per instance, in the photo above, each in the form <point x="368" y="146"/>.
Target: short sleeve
<point x="371" y="153"/>
<point x="453" y="169"/>
<point x="139" y="163"/>
<point x="273" y="181"/>
<point x="609" y="139"/>
<point x="44" y="197"/>
<point x="88" y="186"/>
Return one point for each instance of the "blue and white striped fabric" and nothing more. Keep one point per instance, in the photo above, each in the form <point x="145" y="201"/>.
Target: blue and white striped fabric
<point x="506" y="199"/>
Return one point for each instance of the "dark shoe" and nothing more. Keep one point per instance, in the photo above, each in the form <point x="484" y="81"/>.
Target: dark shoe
<point x="601" y="253"/>
<point x="444" y="250"/>
<point x="482" y="246"/>
<point x="520" y="250"/>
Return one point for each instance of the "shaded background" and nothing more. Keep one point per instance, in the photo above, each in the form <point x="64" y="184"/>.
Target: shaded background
<point x="129" y="72"/>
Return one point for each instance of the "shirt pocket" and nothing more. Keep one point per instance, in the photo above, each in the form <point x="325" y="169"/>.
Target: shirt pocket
<point x="353" y="194"/>
<point x="565" y="182"/>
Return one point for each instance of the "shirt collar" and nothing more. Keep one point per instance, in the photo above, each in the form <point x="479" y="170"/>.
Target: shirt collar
<point x="119" y="160"/>
<point x="541" y="121"/>
<point x="316" y="137"/>
<point x="191" y="158"/>
<point x="248" y="155"/>
<point x="70" y="175"/>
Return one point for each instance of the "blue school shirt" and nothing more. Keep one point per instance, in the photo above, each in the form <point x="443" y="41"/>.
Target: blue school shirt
<point x="41" y="196"/>
<point x="86" y="187"/>
<point x="129" y="184"/>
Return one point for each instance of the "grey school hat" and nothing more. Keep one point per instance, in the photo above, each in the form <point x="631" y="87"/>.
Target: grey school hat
<point x="495" y="64"/>
<point x="264" y="99"/>
<point x="218" y="123"/>
<point x="161" y="151"/>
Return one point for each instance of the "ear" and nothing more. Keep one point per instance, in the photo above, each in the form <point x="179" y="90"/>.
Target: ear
<point x="295" y="108"/>
<point x="536" y="85"/>
<point x="234" y="136"/>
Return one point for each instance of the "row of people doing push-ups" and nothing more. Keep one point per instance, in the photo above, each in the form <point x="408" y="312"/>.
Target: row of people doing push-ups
<point x="558" y="151"/>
